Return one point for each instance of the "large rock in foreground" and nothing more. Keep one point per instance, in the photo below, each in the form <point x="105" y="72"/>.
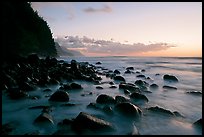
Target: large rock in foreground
<point x="85" y="121"/>
<point x="59" y="96"/>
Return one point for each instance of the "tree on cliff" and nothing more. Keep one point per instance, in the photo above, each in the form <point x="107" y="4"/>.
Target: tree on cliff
<point x="24" y="31"/>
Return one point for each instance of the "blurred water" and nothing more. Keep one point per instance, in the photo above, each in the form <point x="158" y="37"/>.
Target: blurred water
<point x="187" y="70"/>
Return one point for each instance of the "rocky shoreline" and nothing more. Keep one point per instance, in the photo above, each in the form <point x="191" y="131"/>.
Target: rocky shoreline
<point x="26" y="74"/>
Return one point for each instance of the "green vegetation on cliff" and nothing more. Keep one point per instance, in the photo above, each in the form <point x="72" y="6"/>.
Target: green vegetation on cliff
<point x="24" y="31"/>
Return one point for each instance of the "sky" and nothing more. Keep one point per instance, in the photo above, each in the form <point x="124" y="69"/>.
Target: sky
<point x="126" y="28"/>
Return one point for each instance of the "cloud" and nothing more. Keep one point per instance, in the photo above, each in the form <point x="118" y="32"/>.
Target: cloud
<point x="106" y="8"/>
<point x="107" y="47"/>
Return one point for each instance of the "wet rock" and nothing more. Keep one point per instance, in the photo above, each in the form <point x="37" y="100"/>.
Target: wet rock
<point x="130" y="68"/>
<point x="116" y="71"/>
<point x="129" y="86"/>
<point x="99" y="87"/>
<point x="105" y="99"/>
<point x="170" y="78"/>
<point x="194" y="92"/>
<point x="176" y="113"/>
<point x="137" y="72"/>
<point x="198" y="123"/>
<point x="143" y="70"/>
<point x="141" y="76"/>
<point x="65" y="87"/>
<point x="111" y="83"/>
<point x="75" y="86"/>
<point x="119" y="78"/>
<point x="160" y="110"/>
<point x="16" y="93"/>
<point x="154" y="86"/>
<point x="85" y="121"/>
<point x="120" y="99"/>
<point x="138" y="96"/>
<point x="128" y="72"/>
<point x="157" y="74"/>
<point x="113" y="86"/>
<point x="169" y="87"/>
<point x="59" y="96"/>
<point x="128" y="109"/>
<point x="44" y="118"/>
<point x="98" y="63"/>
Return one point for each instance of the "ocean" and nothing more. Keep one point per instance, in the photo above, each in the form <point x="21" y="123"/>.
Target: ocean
<point x="188" y="70"/>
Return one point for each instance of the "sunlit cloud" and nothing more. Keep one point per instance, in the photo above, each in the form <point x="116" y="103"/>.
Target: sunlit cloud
<point x="109" y="47"/>
<point x="106" y="8"/>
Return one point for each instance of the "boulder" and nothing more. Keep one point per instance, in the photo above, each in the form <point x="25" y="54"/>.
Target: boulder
<point x="198" y="123"/>
<point x="120" y="99"/>
<point x="99" y="87"/>
<point x="75" y="86"/>
<point x="128" y="72"/>
<point x="161" y="110"/>
<point x="170" y="78"/>
<point x="119" y="78"/>
<point x="108" y="110"/>
<point x="113" y="86"/>
<point x="44" y="118"/>
<point x="98" y="63"/>
<point x="169" y="87"/>
<point x="130" y="68"/>
<point x="85" y="121"/>
<point x="59" y="96"/>
<point x="129" y="86"/>
<point x="128" y="109"/>
<point x="141" y="76"/>
<point x="138" y="96"/>
<point x="195" y="92"/>
<point x="154" y="86"/>
<point x="116" y="71"/>
<point x="105" y="99"/>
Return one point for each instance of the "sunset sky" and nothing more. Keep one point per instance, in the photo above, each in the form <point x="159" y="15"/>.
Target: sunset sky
<point x="126" y="28"/>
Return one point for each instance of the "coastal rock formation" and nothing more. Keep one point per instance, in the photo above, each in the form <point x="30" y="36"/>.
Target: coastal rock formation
<point x="136" y="96"/>
<point x="44" y="118"/>
<point x="59" y="96"/>
<point x="129" y="86"/>
<point x="119" y="78"/>
<point x="105" y="99"/>
<point x="128" y="109"/>
<point x="85" y="121"/>
<point x="170" y="78"/>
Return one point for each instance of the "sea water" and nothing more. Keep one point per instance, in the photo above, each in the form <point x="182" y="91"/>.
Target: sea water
<point x="188" y="70"/>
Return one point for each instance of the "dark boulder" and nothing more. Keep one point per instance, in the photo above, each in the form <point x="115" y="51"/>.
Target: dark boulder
<point x="161" y="110"/>
<point x="74" y="65"/>
<point x="93" y="106"/>
<point x="128" y="72"/>
<point x="108" y="110"/>
<point x="119" y="78"/>
<point x="141" y="76"/>
<point x="120" y="99"/>
<point x="116" y="71"/>
<point x="98" y="63"/>
<point x="59" y="96"/>
<point x="169" y="87"/>
<point x="130" y="68"/>
<point x="170" y="78"/>
<point x="198" y="123"/>
<point x="138" y="96"/>
<point x="99" y="87"/>
<point x="105" y="99"/>
<point x="44" y="118"/>
<point x="129" y="86"/>
<point x="75" y="86"/>
<point x="111" y="83"/>
<point x="85" y="121"/>
<point x="194" y="92"/>
<point x="113" y="86"/>
<point x="128" y="109"/>
<point x="154" y="86"/>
